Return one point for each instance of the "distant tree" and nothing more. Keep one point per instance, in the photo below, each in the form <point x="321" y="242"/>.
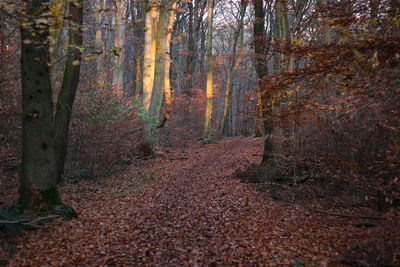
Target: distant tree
<point x="234" y="64"/>
<point x="119" y="43"/>
<point x="210" y="62"/>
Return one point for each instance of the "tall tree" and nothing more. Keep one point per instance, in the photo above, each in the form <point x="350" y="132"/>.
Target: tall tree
<point x="100" y="50"/>
<point x="260" y="48"/>
<point x="139" y="34"/>
<point x="234" y="62"/>
<point x="149" y="132"/>
<point x="196" y="14"/>
<point x="39" y="161"/>
<point x="149" y="51"/>
<point x="69" y="86"/>
<point x="119" y="43"/>
<point x="210" y="63"/>
<point x="167" y="84"/>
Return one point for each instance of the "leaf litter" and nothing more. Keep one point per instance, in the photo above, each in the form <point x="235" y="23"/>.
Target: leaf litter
<point x="191" y="212"/>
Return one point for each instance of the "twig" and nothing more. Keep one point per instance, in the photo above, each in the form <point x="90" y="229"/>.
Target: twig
<point x="177" y="158"/>
<point x="29" y="221"/>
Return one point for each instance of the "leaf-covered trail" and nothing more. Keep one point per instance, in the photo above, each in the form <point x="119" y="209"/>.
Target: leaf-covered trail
<point x="194" y="214"/>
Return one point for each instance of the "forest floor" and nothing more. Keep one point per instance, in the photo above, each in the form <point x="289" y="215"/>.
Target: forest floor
<point x="184" y="208"/>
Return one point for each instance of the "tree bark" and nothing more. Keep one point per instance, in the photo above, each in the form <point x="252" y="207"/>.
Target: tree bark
<point x="260" y="58"/>
<point x="167" y="84"/>
<point x="234" y="63"/>
<point x="38" y="162"/>
<point x="149" y="52"/>
<point x="69" y="86"/>
<point x="99" y="43"/>
<point x="149" y="132"/>
<point x="139" y="34"/>
<point x="210" y="63"/>
<point x="119" y="43"/>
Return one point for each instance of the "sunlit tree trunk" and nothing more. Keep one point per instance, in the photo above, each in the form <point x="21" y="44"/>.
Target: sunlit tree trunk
<point x="149" y="133"/>
<point x="210" y="62"/>
<point x="149" y="52"/>
<point x="119" y="43"/>
<point x="69" y="86"/>
<point x="234" y="63"/>
<point x="167" y="84"/>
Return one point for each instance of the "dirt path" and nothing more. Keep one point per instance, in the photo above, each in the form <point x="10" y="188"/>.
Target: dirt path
<point x="195" y="214"/>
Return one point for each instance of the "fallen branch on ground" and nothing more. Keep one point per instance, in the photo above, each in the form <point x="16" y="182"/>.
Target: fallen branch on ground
<point x="28" y="222"/>
<point x="178" y="158"/>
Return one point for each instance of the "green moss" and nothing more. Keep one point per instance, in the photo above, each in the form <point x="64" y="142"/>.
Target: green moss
<point x="25" y="197"/>
<point x="267" y="151"/>
<point x="210" y="141"/>
<point x="51" y="197"/>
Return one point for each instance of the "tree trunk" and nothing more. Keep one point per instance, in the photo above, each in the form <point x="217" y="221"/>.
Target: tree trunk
<point x="149" y="132"/>
<point x="234" y="63"/>
<point x="38" y="162"/>
<point x="139" y="34"/>
<point x="167" y="84"/>
<point x="149" y="52"/>
<point x="119" y="43"/>
<point x="260" y="48"/>
<point x="191" y="51"/>
<point x="57" y="15"/>
<point x="69" y="86"/>
<point x="99" y="43"/>
<point x="210" y="63"/>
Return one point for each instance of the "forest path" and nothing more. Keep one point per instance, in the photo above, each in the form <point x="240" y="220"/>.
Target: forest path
<point x="195" y="213"/>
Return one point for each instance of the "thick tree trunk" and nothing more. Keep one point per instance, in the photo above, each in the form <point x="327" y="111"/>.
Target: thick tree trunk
<point x="149" y="52"/>
<point x="38" y="162"/>
<point x="66" y="96"/>
<point x="149" y="132"/>
<point x="167" y="84"/>
<point x="210" y="63"/>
